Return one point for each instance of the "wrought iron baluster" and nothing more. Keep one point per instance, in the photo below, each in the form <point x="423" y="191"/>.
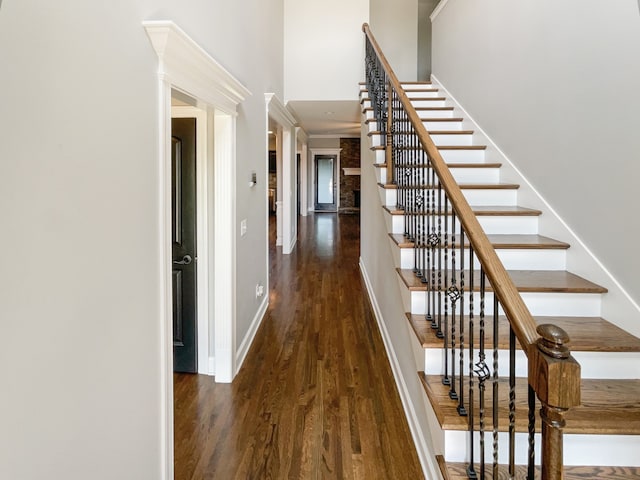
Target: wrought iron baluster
<point x="471" y="471"/>
<point x="453" y="293"/>
<point x="495" y="400"/>
<point x="425" y="188"/>
<point x="446" y="379"/>
<point x="462" y="411"/>
<point x="532" y="431"/>
<point x="482" y="372"/>
<point x="512" y="402"/>
<point x="440" y="333"/>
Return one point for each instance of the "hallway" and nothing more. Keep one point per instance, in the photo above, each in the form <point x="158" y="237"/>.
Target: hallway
<point x="316" y="397"/>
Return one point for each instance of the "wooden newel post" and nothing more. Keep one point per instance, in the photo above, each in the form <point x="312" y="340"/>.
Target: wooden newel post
<point x="388" y="141"/>
<point x="555" y="376"/>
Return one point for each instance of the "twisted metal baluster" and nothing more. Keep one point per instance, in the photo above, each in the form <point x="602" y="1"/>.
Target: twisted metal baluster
<point x="512" y="402"/>
<point x="446" y="380"/>
<point x="471" y="472"/>
<point x="433" y="243"/>
<point x="532" y="431"/>
<point x="462" y="411"/>
<point x="495" y="386"/>
<point x="438" y="241"/>
<point x="453" y="293"/>
<point x="482" y="372"/>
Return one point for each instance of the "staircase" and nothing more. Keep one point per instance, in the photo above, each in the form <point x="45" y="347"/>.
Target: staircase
<point x="602" y="434"/>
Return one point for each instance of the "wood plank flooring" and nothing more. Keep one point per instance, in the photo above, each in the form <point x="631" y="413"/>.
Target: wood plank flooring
<point x="315" y="397"/>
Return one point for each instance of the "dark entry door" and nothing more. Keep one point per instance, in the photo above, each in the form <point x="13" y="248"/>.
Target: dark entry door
<point x="183" y="219"/>
<point x="325" y="187"/>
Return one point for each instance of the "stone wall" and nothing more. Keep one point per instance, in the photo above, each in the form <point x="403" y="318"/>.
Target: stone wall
<point x="349" y="184"/>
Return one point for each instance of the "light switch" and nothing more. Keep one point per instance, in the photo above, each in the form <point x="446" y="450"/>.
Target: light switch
<point x="243" y="227"/>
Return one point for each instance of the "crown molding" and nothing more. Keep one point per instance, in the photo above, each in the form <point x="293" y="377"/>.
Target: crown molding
<point x="183" y="62"/>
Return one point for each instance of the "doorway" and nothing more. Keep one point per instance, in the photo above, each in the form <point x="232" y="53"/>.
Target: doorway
<point x="325" y="173"/>
<point x="183" y="244"/>
<point x="326" y="183"/>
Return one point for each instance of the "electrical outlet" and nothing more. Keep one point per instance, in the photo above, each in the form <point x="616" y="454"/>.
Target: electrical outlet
<point x="243" y="227"/>
<point x="259" y="290"/>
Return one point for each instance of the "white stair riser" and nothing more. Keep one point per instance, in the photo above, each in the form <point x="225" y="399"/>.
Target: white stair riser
<point x="461" y="175"/>
<point x="377" y="140"/>
<point x="463" y="156"/>
<point x="512" y="259"/>
<point x="459" y="140"/>
<point x="434" y="361"/>
<point x="500" y="224"/>
<point x="476" y="175"/>
<point x="478" y="197"/>
<point x="429" y="103"/>
<point x="373" y="127"/>
<point x="453" y="140"/>
<point x="538" y="303"/>
<point x="592" y="364"/>
<point x="416" y="86"/>
<point x="439" y="113"/>
<point x="415" y="94"/>
<point x="380" y="156"/>
<point x="615" y="450"/>
<point x="434" y="125"/>
<point x="608" y="364"/>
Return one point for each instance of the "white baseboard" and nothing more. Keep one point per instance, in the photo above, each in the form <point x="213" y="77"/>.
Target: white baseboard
<point x="425" y="455"/>
<point x="251" y="333"/>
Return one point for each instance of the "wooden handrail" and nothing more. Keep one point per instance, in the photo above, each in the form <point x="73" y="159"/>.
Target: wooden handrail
<point x="554" y="375"/>
<point x="523" y="324"/>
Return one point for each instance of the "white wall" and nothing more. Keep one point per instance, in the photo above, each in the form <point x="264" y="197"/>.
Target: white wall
<point x="79" y="208"/>
<point x="425" y="8"/>
<point x="555" y="84"/>
<point x="395" y="26"/>
<point x="323" y="49"/>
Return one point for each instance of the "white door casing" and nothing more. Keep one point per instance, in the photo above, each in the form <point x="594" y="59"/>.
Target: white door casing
<point x="185" y="66"/>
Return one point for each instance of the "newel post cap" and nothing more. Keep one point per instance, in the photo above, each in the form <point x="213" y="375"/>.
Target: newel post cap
<point x="553" y="341"/>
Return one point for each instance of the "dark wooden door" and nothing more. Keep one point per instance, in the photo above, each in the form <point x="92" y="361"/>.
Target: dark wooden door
<point x="183" y="223"/>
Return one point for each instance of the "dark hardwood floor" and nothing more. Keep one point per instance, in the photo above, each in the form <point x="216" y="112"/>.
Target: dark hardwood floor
<point x="315" y="397"/>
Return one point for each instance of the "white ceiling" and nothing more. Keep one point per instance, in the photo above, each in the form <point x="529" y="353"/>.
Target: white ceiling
<point x="321" y="118"/>
<point x="339" y="118"/>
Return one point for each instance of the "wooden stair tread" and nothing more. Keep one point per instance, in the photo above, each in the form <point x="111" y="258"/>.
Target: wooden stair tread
<point x="542" y="281"/>
<point x="431" y="132"/>
<point x="486" y="210"/>
<point x="439" y="147"/>
<point x="412" y="82"/>
<point x="463" y="186"/>
<point x="441" y="119"/>
<point x="588" y="334"/>
<point x="461" y="147"/>
<point x="608" y="406"/>
<point x="450" y="165"/>
<point x="433" y="109"/>
<point x="458" y="471"/>
<point x="503" y="241"/>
